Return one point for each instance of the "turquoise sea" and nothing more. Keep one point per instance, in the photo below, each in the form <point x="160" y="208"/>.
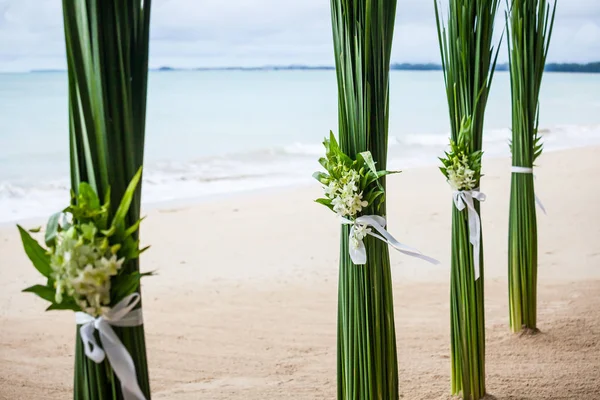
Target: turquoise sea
<point x="219" y="132"/>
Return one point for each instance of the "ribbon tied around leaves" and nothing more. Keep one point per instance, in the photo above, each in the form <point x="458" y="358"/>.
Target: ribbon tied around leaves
<point x="465" y="199"/>
<point x="525" y="170"/>
<point x="358" y="254"/>
<point x="122" y="315"/>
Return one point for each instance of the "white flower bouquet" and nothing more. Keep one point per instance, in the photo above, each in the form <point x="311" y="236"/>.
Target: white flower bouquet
<point x="462" y="166"/>
<point x="85" y="254"/>
<point x="350" y="186"/>
<point x="83" y="266"/>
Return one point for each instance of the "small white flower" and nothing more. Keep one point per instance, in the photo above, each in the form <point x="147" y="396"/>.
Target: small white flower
<point x="331" y="189"/>
<point x="356" y="204"/>
<point x="361" y="231"/>
<point x="358" y="234"/>
<point x="59" y="291"/>
<point x="109" y="265"/>
<point x="353" y="176"/>
<point x="339" y="206"/>
<point x="460" y="176"/>
<point x="348" y="190"/>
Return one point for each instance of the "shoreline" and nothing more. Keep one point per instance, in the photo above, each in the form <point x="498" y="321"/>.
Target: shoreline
<point x="306" y="184"/>
<point x="174" y="204"/>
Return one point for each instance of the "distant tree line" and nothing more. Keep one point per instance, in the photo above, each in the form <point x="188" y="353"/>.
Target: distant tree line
<point x="552" y="67"/>
<point x="591" y="67"/>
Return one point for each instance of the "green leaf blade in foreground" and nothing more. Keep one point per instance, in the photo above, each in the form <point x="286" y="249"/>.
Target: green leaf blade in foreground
<point x="36" y="253"/>
<point x="126" y="200"/>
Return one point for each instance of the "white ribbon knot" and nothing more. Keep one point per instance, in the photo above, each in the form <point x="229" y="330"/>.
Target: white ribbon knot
<point x="123" y="315"/>
<point x="359" y="254"/>
<point x="462" y="199"/>
<point x="525" y="170"/>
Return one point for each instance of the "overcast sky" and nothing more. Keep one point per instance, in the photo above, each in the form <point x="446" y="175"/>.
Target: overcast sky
<point x="190" y="33"/>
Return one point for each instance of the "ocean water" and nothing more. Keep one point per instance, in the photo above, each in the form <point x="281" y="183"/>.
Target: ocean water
<point x="219" y="132"/>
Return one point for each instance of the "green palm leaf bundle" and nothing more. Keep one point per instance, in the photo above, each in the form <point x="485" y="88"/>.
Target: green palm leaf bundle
<point x="362" y="37"/>
<point x="95" y="242"/>
<point x="107" y="55"/>
<point x="468" y="60"/>
<point x="529" y="25"/>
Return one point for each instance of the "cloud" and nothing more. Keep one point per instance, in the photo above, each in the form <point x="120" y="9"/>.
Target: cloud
<point x="190" y="33"/>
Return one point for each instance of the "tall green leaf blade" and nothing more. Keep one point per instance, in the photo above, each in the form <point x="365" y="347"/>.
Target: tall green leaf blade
<point x="126" y="200"/>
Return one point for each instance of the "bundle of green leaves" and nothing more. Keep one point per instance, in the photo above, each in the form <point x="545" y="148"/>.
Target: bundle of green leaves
<point x="86" y="250"/>
<point x="529" y="25"/>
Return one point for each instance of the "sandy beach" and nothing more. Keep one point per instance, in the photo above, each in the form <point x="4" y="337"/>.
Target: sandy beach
<point x="243" y="305"/>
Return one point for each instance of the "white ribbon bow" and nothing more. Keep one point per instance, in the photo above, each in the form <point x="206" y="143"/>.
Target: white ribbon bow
<point x="462" y="199"/>
<point x="359" y="254"/>
<point x="525" y="170"/>
<point x="122" y="315"/>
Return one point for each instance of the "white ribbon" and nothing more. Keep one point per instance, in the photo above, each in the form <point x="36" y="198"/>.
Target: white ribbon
<point x="359" y="254"/>
<point x="122" y="315"/>
<point x="525" y="170"/>
<point x="462" y="199"/>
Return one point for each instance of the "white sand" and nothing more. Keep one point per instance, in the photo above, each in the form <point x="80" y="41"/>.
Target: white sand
<point x="244" y="303"/>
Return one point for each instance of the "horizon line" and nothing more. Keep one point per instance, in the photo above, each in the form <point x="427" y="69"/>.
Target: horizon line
<point x="429" y="66"/>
